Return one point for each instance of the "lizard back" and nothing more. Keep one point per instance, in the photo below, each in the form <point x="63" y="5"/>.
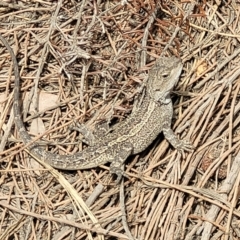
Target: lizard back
<point x="131" y="136"/>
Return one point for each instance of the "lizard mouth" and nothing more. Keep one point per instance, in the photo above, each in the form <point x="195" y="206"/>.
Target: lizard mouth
<point x="167" y="94"/>
<point x="165" y="99"/>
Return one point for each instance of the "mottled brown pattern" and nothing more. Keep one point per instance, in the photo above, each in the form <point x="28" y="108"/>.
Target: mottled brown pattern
<point x="132" y="136"/>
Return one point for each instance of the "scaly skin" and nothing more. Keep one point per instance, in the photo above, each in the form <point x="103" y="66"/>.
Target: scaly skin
<point x="131" y="136"/>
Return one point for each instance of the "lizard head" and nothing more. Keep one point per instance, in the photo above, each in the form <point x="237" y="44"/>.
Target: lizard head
<point x="163" y="76"/>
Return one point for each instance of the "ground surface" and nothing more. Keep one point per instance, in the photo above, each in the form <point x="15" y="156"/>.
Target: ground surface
<point x="87" y="61"/>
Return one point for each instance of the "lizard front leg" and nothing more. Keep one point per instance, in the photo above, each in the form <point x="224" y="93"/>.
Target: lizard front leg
<point x="173" y="139"/>
<point x="180" y="145"/>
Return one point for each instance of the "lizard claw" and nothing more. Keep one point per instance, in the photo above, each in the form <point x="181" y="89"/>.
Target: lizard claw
<point x="185" y="146"/>
<point x="119" y="172"/>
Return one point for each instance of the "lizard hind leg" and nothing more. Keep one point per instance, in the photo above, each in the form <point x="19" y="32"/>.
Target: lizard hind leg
<point x="117" y="165"/>
<point x="101" y="129"/>
<point x="89" y="137"/>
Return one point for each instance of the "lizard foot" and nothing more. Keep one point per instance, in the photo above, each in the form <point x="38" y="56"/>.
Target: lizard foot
<point x="117" y="166"/>
<point x="118" y="171"/>
<point x="184" y="146"/>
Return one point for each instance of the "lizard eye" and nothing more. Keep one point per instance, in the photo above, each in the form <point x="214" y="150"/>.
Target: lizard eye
<point x="165" y="74"/>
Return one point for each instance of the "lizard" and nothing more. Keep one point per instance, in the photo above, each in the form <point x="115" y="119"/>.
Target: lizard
<point x="131" y="136"/>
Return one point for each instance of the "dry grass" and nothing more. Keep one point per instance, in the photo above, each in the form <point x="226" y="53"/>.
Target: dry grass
<point x="88" y="59"/>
